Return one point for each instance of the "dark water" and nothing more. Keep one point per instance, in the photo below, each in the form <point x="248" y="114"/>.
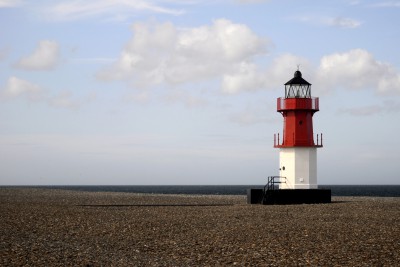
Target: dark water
<point x="337" y="190"/>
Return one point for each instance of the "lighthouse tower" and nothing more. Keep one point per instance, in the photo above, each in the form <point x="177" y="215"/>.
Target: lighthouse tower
<point x="297" y="146"/>
<point x="297" y="178"/>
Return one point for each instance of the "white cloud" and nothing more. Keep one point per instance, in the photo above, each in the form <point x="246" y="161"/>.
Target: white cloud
<point x="388" y="106"/>
<point x="81" y="9"/>
<point x="386" y="4"/>
<point x="184" y="97"/>
<point x="251" y="1"/>
<point x="344" y="22"/>
<point x="363" y="111"/>
<point x="94" y="60"/>
<point x="63" y="100"/>
<point x="10" y="3"/>
<point x="141" y="97"/>
<point x="16" y="87"/>
<point x="340" y="22"/>
<point x="245" y="77"/>
<point x="162" y="53"/>
<point x="358" y="69"/>
<point x="253" y="115"/>
<point x="354" y="3"/>
<point x="45" y="57"/>
<point x="391" y="106"/>
<point x="19" y="88"/>
<point x="355" y="69"/>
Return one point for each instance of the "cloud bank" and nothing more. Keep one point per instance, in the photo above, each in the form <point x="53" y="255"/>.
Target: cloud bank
<point x="10" y="3"/>
<point x="358" y="69"/>
<point x="162" y="53"/>
<point x="16" y="87"/>
<point x="227" y="52"/>
<point x="344" y="22"/>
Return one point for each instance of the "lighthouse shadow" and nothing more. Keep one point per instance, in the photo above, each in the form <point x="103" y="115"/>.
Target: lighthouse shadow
<point x="341" y="201"/>
<point x="152" y="205"/>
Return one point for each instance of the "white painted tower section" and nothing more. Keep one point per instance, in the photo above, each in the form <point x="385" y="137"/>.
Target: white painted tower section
<point x="299" y="166"/>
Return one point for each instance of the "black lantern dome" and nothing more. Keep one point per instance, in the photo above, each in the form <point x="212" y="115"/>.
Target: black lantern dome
<point x="297" y="87"/>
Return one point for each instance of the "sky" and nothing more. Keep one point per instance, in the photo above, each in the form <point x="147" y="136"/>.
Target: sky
<point x="183" y="92"/>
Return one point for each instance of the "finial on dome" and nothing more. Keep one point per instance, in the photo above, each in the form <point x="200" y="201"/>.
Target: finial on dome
<point x="297" y="72"/>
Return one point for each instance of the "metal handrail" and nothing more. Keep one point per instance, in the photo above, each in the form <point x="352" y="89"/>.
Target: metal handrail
<point x="271" y="183"/>
<point x="278" y="143"/>
<point x="270" y="186"/>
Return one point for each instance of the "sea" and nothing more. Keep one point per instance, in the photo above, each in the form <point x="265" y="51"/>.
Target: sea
<point x="337" y="190"/>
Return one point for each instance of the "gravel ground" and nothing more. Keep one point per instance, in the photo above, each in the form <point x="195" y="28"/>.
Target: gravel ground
<point x="44" y="227"/>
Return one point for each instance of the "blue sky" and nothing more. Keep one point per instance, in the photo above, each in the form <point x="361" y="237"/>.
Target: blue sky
<point x="184" y="92"/>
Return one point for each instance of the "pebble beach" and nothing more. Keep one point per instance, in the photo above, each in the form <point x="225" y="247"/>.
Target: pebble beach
<point x="50" y="227"/>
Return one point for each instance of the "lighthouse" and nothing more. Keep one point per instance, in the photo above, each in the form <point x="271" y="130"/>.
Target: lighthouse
<point x="297" y="144"/>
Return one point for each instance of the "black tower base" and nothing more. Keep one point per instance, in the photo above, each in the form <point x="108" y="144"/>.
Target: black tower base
<point x="288" y="196"/>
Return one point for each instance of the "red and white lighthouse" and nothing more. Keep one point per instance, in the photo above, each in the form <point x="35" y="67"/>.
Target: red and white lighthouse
<point x="298" y="148"/>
